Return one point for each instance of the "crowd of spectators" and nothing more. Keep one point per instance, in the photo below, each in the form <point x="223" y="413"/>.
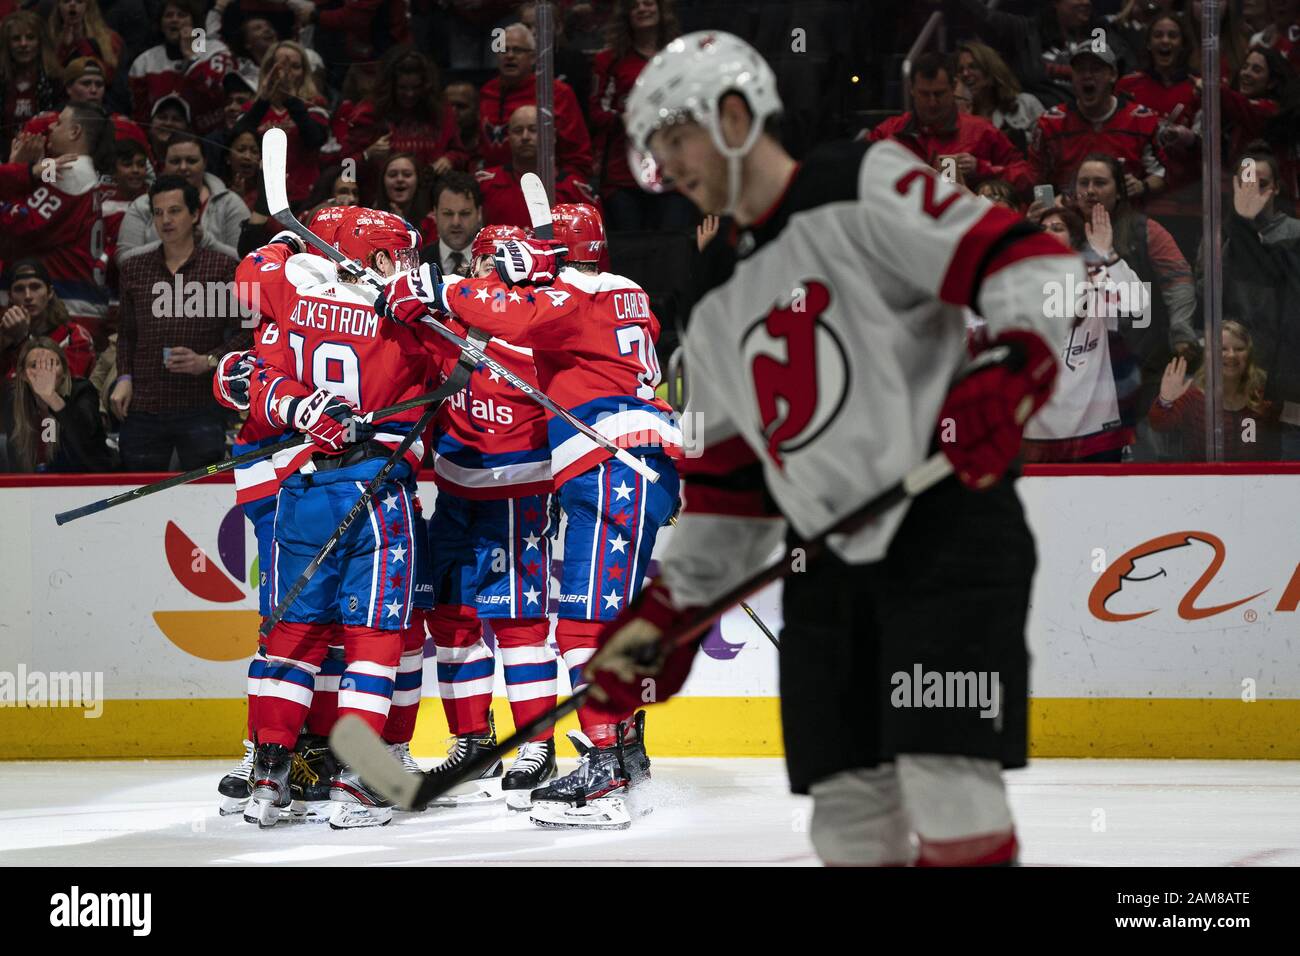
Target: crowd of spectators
<point x="132" y="130"/>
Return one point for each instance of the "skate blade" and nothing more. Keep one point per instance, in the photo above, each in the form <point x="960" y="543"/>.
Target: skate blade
<point x="603" y="813"/>
<point x="264" y="813"/>
<point x="232" y="805"/>
<point x="471" y="793"/>
<point x="355" y="816"/>
<point x="519" y="801"/>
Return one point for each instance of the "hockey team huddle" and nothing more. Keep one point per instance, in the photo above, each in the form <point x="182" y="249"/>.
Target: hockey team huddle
<point x="826" y="358"/>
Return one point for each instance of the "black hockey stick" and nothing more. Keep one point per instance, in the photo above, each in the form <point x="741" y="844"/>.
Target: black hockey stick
<point x="363" y="750"/>
<point x="257" y="454"/>
<point x="363" y="502"/>
<point x="274" y="147"/>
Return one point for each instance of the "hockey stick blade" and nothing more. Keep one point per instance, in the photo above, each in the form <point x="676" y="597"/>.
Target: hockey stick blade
<point x="539" y="206"/>
<point x="358" y="746"/>
<point x="275" y="152"/>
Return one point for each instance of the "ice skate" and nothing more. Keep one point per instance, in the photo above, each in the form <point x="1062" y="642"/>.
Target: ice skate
<point x="270" y="785"/>
<point x="533" y="768"/>
<point x="234" y="786"/>
<point x="313" y="767"/>
<point x="594" y="796"/>
<point x="465" y="748"/>
<point x="353" y="804"/>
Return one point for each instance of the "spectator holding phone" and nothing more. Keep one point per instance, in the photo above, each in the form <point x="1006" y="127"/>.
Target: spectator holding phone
<point x="51" y="418"/>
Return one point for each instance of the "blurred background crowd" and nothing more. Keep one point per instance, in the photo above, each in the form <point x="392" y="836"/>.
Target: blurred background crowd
<point x="132" y="131"/>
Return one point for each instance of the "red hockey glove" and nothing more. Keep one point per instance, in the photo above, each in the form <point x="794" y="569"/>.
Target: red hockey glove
<point x="332" y="422"/>
<point x="230" y="384"/>
<point x="984" y="415"/>
<point x="410" y="296"/>
<point x="627" y="682"/>
<point x="528" y="262"/>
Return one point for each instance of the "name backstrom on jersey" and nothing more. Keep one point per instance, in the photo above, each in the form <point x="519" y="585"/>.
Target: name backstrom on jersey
<point x="340" y="319"/>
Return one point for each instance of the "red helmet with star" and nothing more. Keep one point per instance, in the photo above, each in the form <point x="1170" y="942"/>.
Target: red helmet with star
<point x="485" y="243"/>
<point x="363" y="232"/>
<point x="579" y="226"/>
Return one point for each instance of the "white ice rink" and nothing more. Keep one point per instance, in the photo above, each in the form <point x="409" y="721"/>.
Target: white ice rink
<point x="714" y="811"/>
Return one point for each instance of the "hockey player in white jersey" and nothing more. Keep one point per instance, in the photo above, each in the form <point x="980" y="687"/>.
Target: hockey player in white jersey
<point x="822" y="358"/>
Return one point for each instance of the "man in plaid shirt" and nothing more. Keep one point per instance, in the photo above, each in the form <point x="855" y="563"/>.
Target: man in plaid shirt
<point x="179" y="315"/>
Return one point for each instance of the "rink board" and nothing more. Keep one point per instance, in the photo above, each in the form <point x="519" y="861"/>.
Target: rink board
<point x="1164" y="624"/>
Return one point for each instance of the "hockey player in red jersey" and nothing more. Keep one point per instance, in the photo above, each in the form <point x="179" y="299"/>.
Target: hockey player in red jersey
<point x="323" y="358"/>
<point x="821" y="357"/>
<point x="593" y="340"/>
<point x="491" y="559"/>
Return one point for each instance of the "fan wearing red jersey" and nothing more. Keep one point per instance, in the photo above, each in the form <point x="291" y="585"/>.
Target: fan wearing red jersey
<point x="593" y="336"/>
<point x="323" y="358"/>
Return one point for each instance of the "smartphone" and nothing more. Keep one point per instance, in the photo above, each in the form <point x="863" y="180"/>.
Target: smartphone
<point x="1045" y="195"/>
<point x="167" y="354"/>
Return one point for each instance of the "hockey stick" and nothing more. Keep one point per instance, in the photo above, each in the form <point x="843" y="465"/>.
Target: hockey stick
<point x="257" y="454"/>
<point x="362" y="503"/>
<point x="363" y="750"/>
<point x="539" y="207"/>
<point x="273" y="160"/>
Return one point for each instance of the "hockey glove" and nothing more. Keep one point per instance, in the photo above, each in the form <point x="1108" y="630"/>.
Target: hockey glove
<point x="630" y="669"/>
<point x="984" y="415"/>
<point x="230" y="384"/>
<point x="528" y="262"/>
<point x="330" y="421"/>
<point x="290" y="239"/>
<point x="410" y="296"/>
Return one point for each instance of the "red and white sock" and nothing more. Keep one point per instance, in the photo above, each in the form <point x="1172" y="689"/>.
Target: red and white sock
<point x="530" y="669"/>
<point x="466" y="668"/>
<point x="400" y="727"/>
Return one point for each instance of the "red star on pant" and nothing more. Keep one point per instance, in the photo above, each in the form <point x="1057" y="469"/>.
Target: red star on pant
<point x="619" y="517"/>
<point x="616" y="572"/>
<point x="395" y="581"/>
<point x="530" y="515"/>
<point x="532" y="568"/>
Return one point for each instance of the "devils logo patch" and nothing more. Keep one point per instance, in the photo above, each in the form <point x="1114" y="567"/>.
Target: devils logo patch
<point x="799" y="368"/>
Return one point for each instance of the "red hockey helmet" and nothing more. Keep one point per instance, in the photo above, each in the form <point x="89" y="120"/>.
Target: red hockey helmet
<point x="363" y="232"/>
<point x="579" y="227"/>
<point x="326" y="224"/>
<point x="485" y="243"/>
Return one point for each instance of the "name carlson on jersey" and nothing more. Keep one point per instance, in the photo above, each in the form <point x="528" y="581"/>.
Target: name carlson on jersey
<point x="340" y="319"/>
<point x="488" y="411"/>
<point x="631" y="305"/>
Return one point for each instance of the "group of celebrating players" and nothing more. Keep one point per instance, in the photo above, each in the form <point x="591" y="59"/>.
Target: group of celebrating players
<point x="331" y="349"/>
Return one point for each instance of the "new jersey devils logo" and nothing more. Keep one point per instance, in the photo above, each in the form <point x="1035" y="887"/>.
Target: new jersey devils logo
<point x="800" y="370"/>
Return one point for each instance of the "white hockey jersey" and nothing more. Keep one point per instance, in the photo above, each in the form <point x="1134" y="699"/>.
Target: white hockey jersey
<point x="823" y="342"/>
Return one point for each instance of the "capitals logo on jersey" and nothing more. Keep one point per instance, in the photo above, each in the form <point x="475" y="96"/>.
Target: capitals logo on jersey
<point x="799" y="368"/>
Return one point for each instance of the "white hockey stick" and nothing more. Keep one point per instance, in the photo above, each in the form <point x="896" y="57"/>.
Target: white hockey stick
<point x="274" y="151"/>
<point x="539" y="206"/>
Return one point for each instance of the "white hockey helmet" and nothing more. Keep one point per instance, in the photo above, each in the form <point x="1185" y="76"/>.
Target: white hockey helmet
<point x="686" y="80"/>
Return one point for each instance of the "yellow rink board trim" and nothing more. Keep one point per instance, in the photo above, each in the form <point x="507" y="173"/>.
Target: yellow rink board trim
<point x="683" y="727"/>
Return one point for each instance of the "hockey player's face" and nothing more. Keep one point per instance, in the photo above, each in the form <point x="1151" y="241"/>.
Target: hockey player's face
<point x="32" y="294"/>
<point x="1254" y="75"/>
<point x="23" y="47"/>
<point x="690" y="162"/>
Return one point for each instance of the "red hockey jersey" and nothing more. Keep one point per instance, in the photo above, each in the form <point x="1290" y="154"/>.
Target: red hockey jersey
<point x="61" y="224"/>
<point x="1063" y="137"/>
<point x="154" y="74"/>
<point x="593" y="340"/>
<point x="490" y="440"/>
<point x="495" y="104"/>
<point x="320" y="332"/>
<point x="503" y="198"/>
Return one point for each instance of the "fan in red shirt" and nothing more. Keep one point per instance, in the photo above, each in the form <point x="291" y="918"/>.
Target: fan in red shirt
<point x="935" y="130"/>
<point x="1098" y="122"/>
<point x="288" y="99"/>
<point x="405" y="113"/>
<point x="503" y="200"/>
<point x="36" y="312"/>
<point x="177" y="66"/>
<point x="513" y="87"/>
<point x="644" y="29"/>
<point x="77" y="29"/>
<point x="84" y="81"/>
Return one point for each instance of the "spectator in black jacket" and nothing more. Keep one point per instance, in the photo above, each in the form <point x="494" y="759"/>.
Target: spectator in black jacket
<point x="51" y="420"/>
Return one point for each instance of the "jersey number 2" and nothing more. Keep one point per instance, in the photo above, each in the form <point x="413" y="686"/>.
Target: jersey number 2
<point x="932" y="209"/>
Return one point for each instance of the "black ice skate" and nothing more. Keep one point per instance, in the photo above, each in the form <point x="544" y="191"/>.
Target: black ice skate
<point x="533" y="767"/>
<point x="234" y="786"/>
<point x="593" y="797"/>
<point x="465" y="748"/>
<point x="314" y="766"/>
<point x="271" y="790"/>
